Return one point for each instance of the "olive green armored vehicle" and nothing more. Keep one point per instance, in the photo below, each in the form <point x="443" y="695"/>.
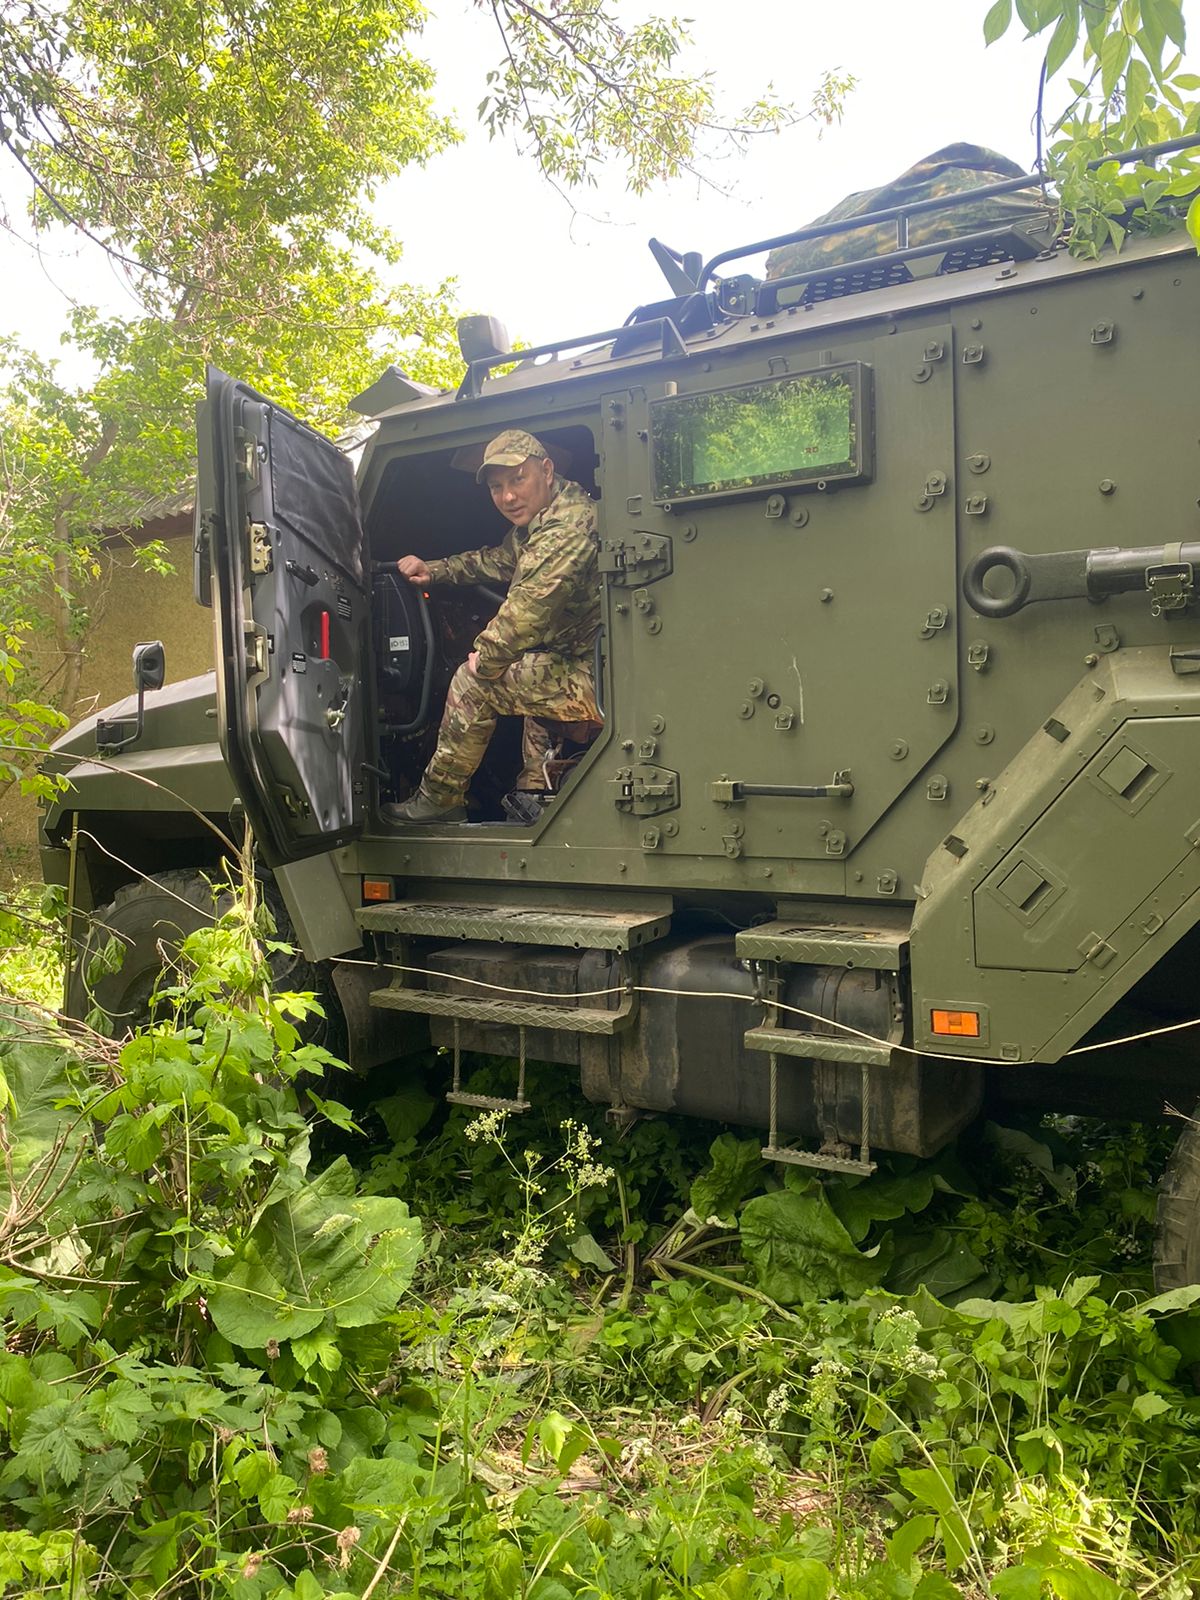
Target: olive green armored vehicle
<point x="894" y="808"/>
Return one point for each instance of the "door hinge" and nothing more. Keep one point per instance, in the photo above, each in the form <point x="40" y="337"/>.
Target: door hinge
<point x="256" y="651"/>
<point x="635" y="558"/>
<point x="644" y="791"/>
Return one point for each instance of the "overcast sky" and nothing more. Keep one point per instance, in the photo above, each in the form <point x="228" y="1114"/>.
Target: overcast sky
<point x="481" y="213"/>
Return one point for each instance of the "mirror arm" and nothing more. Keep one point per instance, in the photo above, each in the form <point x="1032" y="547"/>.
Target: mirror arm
<point x="113" y="733"/>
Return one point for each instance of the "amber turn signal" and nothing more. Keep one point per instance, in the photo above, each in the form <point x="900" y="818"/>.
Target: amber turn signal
<point x="378" y="889"/>
<point x="958" y="1024"/>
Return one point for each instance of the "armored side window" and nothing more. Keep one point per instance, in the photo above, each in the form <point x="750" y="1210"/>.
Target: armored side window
<point x="806" y="428"/>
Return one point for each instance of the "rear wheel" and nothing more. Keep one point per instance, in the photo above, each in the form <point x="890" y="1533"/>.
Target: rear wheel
<point x="1177" y="1241"/>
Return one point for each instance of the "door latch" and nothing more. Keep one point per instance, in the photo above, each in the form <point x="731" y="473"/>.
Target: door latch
<point x="262" y="558"/>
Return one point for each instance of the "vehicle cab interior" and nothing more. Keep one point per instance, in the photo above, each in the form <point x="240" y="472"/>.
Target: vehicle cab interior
<point x="430" y="505"/>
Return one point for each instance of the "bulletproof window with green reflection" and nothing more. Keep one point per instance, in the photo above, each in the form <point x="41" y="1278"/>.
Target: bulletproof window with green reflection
<point x="782" y="431"/>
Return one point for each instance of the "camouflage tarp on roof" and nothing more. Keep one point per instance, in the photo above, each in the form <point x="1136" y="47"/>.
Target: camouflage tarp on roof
<point x="951" y="170"/>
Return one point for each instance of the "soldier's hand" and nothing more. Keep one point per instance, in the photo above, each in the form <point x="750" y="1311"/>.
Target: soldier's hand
<point x="414" y="569"/>
<point x="473" y="663"/>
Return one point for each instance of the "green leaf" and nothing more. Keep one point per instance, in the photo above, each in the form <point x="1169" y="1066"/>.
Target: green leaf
<point x="250" y="1306"/>
<point x="563" y="1440"/>
<point x="277" y="1496"/>
<point x="801" y="1252"/>
<point x="406" y="1112"/>
<point x="1062" y="42"/>
<point x="503" y="1571"/>
<point x="1137" y="87"/>
<point x="930" y="1487"/>
<point x="904" y="1544"/>
<point x="936" y="1586"/>
<point x="124" y="1410"/>
<point x="1022" y="1582"/>
<point x="736" y="1170"/>
<point x="41" y="1081"/>
<point x="1114" y="54"/>
<point x="933" y="1259"/>
<point x="114" y="1477"/>
<point x="997" y="21"/>
<point x="879" y="1199"/>
<point x="1150" y="1405"/>
<point x="320" y="1251"/>
<point x="1171" y="12"/>
<point x="1015" y="1142"/>
<point x="377" y="1485"/>
<point x="1152" y="36"/>
<point x="1193" y="221"/>
<point x="335" y="1112"/>
<point x="584" y="1248"/>
<point x="804" y="1578"/>
<point x="252" y="1471"/>
<point x="1027" y="10"/>
<point x="56" y="1436"/>
<point x="136" y="1140"/>
<point x="1072" y="1579"/>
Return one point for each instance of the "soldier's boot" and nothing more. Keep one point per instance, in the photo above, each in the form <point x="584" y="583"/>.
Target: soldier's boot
<point x="422" y="807"/>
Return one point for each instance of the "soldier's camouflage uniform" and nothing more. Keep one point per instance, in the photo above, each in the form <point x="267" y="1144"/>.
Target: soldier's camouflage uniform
<point x="535" y="655"/>
<point x="951" y="170"/>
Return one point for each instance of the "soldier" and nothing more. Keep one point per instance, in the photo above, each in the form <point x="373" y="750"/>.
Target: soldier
<point x="534" y="658"/>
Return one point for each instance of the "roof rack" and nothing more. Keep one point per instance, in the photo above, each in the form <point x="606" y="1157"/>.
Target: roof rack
<point x="671" y="342"/>
<point x="831" y="280"/>
<point x="900" y="214"/>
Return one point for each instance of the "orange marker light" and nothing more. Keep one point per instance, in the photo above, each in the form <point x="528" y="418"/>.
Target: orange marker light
<point x="958" y="1024"/>
<point x="378" y="889"/>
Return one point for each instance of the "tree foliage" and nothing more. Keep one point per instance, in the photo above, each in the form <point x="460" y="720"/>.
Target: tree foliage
<point x="1129" y="90"/>
<point x="581" y="87"/>
<point x="225" y="157"/>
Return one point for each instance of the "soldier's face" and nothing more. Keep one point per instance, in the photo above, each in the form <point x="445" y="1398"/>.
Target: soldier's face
<point x="522" y="492"/>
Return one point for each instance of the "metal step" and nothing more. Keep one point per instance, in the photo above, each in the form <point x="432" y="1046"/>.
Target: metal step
<point x="581" y="929"/>
<point x="516" y="1013"/>
<point x="819" y="1046"/>
<point x="817" y="1161"/>
<point x="487" y="1102"/>
<point x="881" y="945"/>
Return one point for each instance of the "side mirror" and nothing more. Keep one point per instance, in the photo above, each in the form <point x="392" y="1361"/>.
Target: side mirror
<point x="149" y="666"/>
<point x="481" y="337"/>
<point x="149" y="672"/>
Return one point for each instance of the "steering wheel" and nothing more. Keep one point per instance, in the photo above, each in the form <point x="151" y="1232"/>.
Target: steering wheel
<point x="405" y="646"/>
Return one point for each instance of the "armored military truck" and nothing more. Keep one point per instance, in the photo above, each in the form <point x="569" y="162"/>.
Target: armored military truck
<point x="894" y="809"/>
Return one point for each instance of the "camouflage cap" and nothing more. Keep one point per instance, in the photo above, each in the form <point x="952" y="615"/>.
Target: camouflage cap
<point x="509" y="449"/>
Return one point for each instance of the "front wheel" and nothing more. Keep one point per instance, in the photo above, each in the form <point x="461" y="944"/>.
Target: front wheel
<point x="150" y="918"/>
<point x="1177" y="1240"/>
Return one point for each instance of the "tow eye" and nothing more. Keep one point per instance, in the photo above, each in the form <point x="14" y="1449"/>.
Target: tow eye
<point x="149" y="672"/>
<point x="1165" y="571"/>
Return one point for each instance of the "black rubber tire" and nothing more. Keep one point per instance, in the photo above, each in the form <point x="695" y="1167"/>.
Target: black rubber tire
<point x="1177" y="1239"/>
<point x="152" y="917"/>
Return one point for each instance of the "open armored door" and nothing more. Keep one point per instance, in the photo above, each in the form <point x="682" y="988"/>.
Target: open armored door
<point x="280" y="551"/>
